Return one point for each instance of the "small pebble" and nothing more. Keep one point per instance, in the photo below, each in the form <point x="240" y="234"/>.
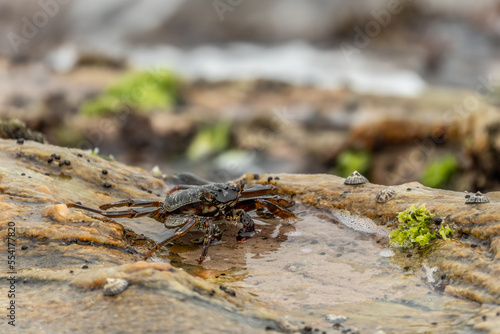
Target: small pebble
<point x="335" y="318"/>
<point x="59" y="212"/>
<point x="23" y="174"/>
<point x="269" y="179"/>
<point x="276" y="178"/>
<point x="150" y="192"/>
<point x="71" y="271"/>
<point x="24" y="247"/>
<point x="437" y="220"/>
<point x="20" y="141"/>
<point x="47" y="174"/>
<point x="467" y="196"/>
<point x="85" y="266"/>
<point x="104" y="171"/>
<point x="56" y="156"/>
<point x="106" y="185"/>
<point x="79" y="155"/>
<point x="484" y="317"/>
<point x="256" y="176"/>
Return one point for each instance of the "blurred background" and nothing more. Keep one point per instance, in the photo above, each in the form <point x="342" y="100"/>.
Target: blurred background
<point x="398" y="90"/>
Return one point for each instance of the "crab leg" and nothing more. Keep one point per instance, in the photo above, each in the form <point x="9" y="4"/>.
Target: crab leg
<point x="130" y="213"/>
<point x="180" y="187"/>
<point x="256" y="203"/>
<point x="131" y="202"/>
<point x="257" y="191"/>
<point x="210" y="235"/>
<point x="190" y="223"/>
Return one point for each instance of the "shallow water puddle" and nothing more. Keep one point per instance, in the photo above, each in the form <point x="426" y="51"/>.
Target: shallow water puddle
<point x="326" y="272"/>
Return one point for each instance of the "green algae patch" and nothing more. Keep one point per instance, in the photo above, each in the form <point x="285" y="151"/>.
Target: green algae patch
<point x="210" y="140"/>
<point x="143" y="91"/>
<point x="350" y="160"/>
<point x="416" y="227"/>
<point x="440" y="171"/>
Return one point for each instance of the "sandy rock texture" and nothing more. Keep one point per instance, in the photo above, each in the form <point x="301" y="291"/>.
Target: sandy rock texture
<point x="64" y="257"/>
<point x="467" y="266"/>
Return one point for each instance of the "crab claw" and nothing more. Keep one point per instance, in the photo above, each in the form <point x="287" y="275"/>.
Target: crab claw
<point x="244" y="235"/>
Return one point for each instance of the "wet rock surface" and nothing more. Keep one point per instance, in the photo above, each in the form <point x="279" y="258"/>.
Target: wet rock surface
<point x="467" y="266"/>
<point x="65" y="257"/>
<point x="312" y="269"/>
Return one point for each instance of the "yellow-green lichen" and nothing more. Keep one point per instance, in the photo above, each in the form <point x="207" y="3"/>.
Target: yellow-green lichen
<point x="416" y="227"/>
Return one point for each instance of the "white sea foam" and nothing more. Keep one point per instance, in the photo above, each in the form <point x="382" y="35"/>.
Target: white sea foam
<point x="359" y="223"/>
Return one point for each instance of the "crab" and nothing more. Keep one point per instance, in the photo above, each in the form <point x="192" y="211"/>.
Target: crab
<point x="186" y="207"/>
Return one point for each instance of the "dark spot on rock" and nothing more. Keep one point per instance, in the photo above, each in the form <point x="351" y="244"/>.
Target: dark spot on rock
<point x="307" y="329"/>
<point x="473" y="246"/>
<point x="29" y="177"/>
<point x="23" y="174"/>
<point x="104" y="171"/>
<point x="143" y="189"/>
<point x="79" y="155"/>
<point x="230" y="292"/>
<point x="408" y="189"/>
<point x="256" y="176"/>
<point x="106" y="185"/>
<point x="71" y="271"/>
<point x="276" y="178"/>
<point x="443" y="277"/>
<point x="88" y="160"/>
<point x="47" y="174"/>
<point x="434" y="323"/>
<point x="467" y="196"/>
<point x="49" y="160"/>
<point x="484" y="317"/>
<point x="150" y="192"/>
<point x="314" y="242"/>
<point x="85" y="266"/>
<point x="322" y="253"/>
<point x="56" y="156"/>
<point x="65" y="162"/>
<point x="409" y="255"/>
<point x="24" y="247"/>
<point x="20" y="141"/>
<point x="269" y="179"/>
